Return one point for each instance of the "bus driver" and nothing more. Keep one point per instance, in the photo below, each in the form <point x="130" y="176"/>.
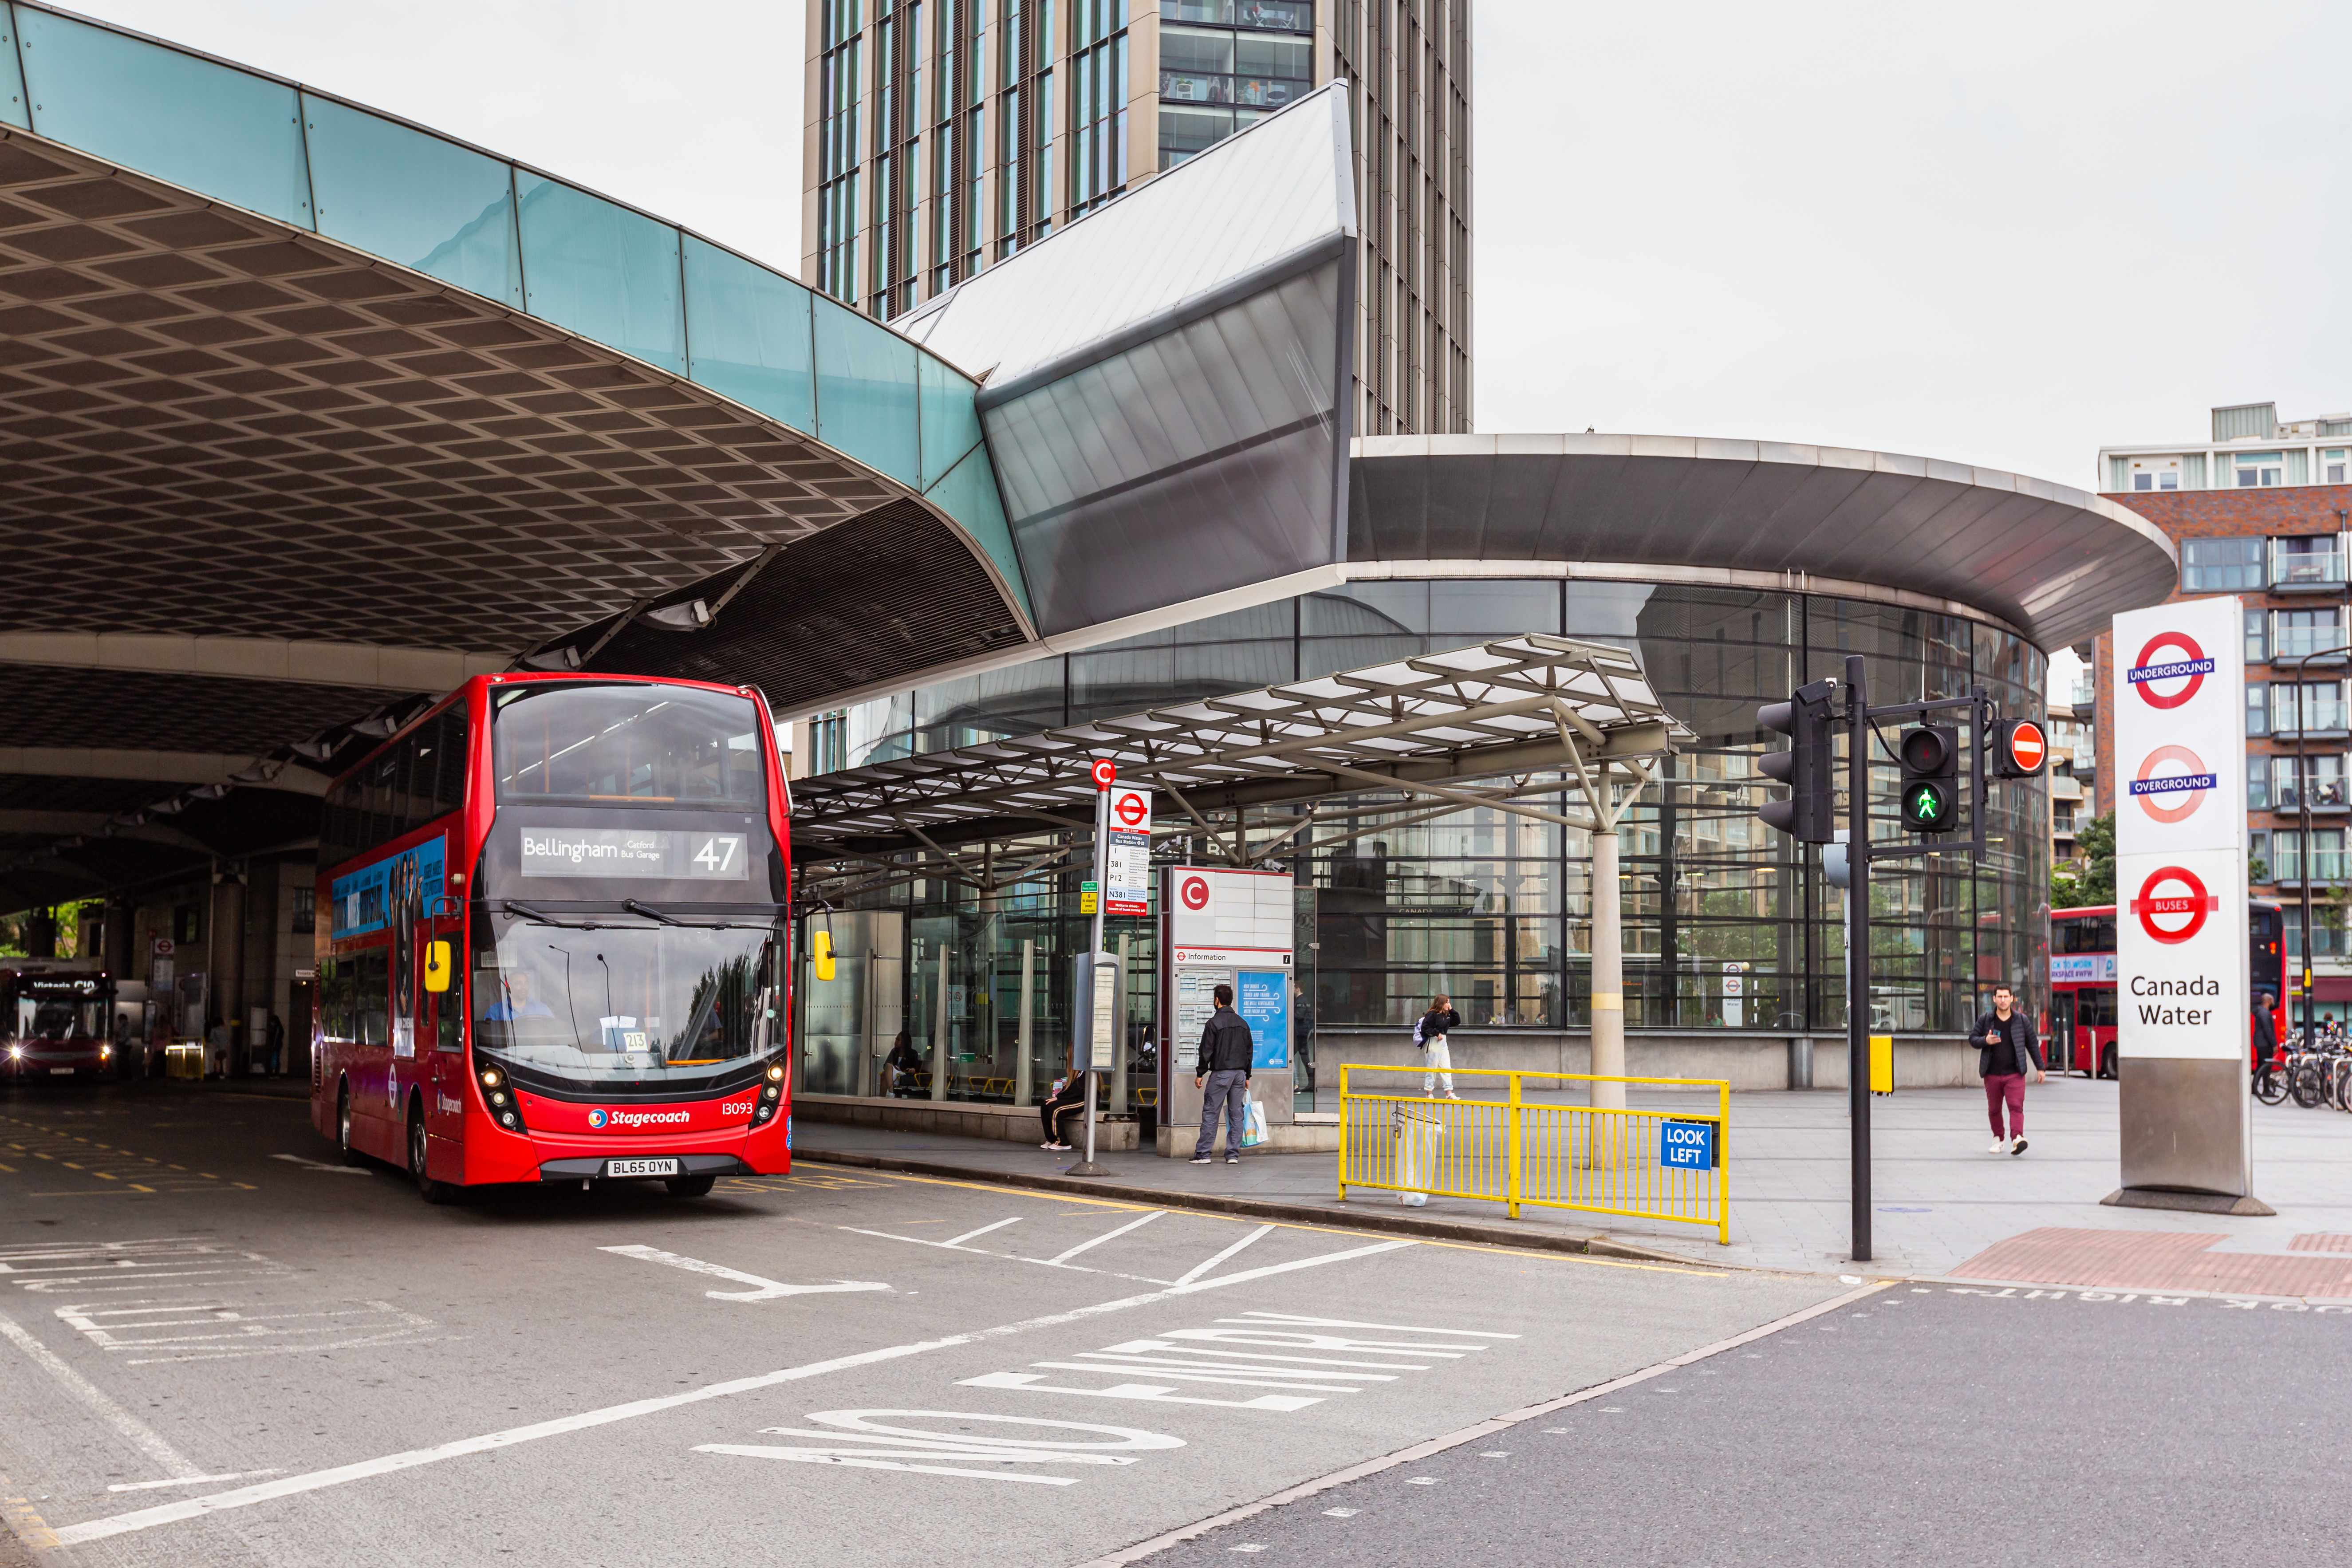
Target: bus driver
<point x="518" y="1002"/>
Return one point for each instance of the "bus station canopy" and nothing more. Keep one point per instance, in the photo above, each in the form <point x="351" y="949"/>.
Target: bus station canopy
<point x="1501" y="710"/>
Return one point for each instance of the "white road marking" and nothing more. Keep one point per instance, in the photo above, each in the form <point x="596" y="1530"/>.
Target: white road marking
<point x="810" y="1457"/>
<point x="1007" y="1257"/>
<point x="763" y="1290"/>
<point x="318" y="1166"/>
<point x="186" y="1482"/>
<point x="899" y="1446"/>
<point x="1492" y="1427"/>
<point x="1150" y="1393"/>
<point x="267" y="1492"/>
<point x="1352" y="1323"/>
<point x="1162" y="1372"/>
<point x="1107" y="1235"/>
<point x="983" y="1230"/>
<point x="92" y="1399"/>
<point x="1201" y="1269"/>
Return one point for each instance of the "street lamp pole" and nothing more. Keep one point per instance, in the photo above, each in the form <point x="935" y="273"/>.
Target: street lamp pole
<point x="2303" y="833"/>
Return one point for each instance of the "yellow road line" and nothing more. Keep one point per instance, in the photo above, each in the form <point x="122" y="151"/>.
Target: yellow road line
<point x="30" y="1527"/>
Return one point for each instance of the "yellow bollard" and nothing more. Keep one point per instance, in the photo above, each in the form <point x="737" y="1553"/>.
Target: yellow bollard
<point x="1882" y="1064"/>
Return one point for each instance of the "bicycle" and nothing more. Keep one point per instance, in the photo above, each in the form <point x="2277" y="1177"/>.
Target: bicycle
<point x="2271" y="1079"/>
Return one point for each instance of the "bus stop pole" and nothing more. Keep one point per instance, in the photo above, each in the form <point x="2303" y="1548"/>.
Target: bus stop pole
<point x="1085" y="1047"/>
<point x="1857" y="966"/>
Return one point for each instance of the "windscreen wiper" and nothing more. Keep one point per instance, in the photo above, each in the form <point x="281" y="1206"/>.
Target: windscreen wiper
<point x="528" y="913"/>
<point x="637" y="907"/>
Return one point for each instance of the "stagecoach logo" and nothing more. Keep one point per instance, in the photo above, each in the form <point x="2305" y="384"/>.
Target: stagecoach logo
<point x="2145" y="674"/>
<point x="2187" y="789"/>
<point x="2173" y="893"/>
<point x="619" y="1119"/>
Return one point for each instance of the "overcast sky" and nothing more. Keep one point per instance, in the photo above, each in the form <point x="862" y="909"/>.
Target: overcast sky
<point x="1999" y="233"/>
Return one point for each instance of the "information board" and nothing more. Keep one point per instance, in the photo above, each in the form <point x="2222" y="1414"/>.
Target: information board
<point x="1262" y="996"/>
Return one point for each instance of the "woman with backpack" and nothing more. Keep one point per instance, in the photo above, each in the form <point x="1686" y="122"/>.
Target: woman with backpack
<point x="1430" y="1034"/>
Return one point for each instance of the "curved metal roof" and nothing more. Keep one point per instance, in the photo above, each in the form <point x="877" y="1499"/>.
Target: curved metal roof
<point x="2054" y="562"/>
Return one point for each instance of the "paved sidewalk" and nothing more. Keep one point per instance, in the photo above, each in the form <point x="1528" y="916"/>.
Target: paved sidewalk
<point x="1939" y="1198"/>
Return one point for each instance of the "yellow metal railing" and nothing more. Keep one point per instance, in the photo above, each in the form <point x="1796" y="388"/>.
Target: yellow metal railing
<point x="1644" y="1164"/>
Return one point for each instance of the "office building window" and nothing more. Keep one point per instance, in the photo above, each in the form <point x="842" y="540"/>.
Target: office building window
<point x="1097" y="102"/>
<point x="841" y="87"/>
<point x="305" y="911"/>
<point x="2168" y="481"/>
<point x="2327" y="855"/>
<point x="1024" y="125"/>
<point x="2258" y="856"/>
<point x="2143" y="482"/>
<point x="2258" y="709"/>
<point x="959" y="86"/>
<point x="2255" y="652"/>
<point x="2220" y="565"/>
<point x="2257" y="781"/>
<point x="2334" y="464"/>
<point x="1226" y="64"/>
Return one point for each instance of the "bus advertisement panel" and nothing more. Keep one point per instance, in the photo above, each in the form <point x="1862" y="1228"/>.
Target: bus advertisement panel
<point x="557" y="948"/>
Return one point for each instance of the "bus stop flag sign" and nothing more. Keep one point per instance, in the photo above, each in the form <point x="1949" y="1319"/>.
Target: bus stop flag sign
<point x="2181" y="926"/>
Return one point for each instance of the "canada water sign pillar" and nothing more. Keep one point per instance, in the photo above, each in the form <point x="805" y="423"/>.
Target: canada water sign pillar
<point x="2182" y="969"/>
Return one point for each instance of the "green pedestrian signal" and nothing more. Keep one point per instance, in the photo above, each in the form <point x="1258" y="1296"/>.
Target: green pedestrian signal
<point x="1927" y="808"/>
<point x="1931" y="780"/>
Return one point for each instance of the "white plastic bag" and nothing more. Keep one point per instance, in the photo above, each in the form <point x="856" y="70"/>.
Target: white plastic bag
<point x="1416" y="1156"/>
<point x="1253" y="1125"/>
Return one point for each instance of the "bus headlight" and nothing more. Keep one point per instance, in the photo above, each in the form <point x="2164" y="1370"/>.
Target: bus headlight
<point x="492" y="1078"/>
<point x="776" y="1072"/>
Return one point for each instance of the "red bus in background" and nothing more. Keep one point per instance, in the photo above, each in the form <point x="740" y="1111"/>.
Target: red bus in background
<point x="2082" y="1005"/>
<point x="57" y="1017"/>
<point x="555" y="946"/>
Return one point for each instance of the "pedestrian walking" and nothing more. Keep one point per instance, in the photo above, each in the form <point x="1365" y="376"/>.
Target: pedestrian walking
<point x="277" y="1044"/>
<point x="1430" y="1034"/>
<point x="1069" y="1100"/>
<point x="1222" y="1068"/>
<point x="2006" y="1052"/>
<point x="2265" y="1032"/>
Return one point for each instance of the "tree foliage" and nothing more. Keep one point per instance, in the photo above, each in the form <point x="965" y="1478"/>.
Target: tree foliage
<point x="2091" y="880"/>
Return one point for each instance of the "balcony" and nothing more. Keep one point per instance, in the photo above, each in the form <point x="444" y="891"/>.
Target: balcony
<point x="2306" y="565"/>
<point x="2321" y="647"/>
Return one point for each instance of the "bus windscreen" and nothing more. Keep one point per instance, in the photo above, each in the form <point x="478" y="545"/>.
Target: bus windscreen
<point x="590" y="743"/>
<point x="616" y="1008"/>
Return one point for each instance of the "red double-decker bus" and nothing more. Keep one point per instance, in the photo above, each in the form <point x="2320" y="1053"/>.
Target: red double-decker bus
<point x="556" y="947"/>
<point x="2083" y="1014"/>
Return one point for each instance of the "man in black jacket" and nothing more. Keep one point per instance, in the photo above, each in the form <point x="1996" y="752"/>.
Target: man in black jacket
<point x="1223" y="1070"/>
<point x="2006" y="1052"/>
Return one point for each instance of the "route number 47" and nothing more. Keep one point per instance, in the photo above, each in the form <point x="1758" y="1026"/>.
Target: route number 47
<point x="718" y="856"/>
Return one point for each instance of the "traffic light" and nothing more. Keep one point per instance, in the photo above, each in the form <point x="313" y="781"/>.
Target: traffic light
<point x="2020" y="749"/>
<point x="1930" y="756"/>
<point x="1805" y="767"/>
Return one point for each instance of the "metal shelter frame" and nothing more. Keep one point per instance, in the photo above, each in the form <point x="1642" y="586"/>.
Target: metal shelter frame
<point x="1497" y="714"/>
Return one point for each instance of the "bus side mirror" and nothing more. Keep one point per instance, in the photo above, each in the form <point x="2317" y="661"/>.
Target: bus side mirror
<point x="821" y="949"/>
<point x="436" y="966"/>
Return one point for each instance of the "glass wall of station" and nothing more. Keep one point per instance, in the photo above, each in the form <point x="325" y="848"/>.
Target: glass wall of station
<point x="1493" y="909"/>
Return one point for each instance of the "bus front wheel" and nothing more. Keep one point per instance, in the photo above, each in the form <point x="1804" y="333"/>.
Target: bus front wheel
<point x="350" y="1156"/>
<point x="430" y="1190"/>
<point x="690" y="1186"/>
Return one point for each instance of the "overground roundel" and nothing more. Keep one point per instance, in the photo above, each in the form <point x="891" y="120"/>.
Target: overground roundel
<point x="2192" y="666"/>
<point x="2150" y="784"/>
<point x="1194" y="891"/>
<point x="2193" y="901"/>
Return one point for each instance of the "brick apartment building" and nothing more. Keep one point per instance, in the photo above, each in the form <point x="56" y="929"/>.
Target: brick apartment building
<point x="2261" y="510"/>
